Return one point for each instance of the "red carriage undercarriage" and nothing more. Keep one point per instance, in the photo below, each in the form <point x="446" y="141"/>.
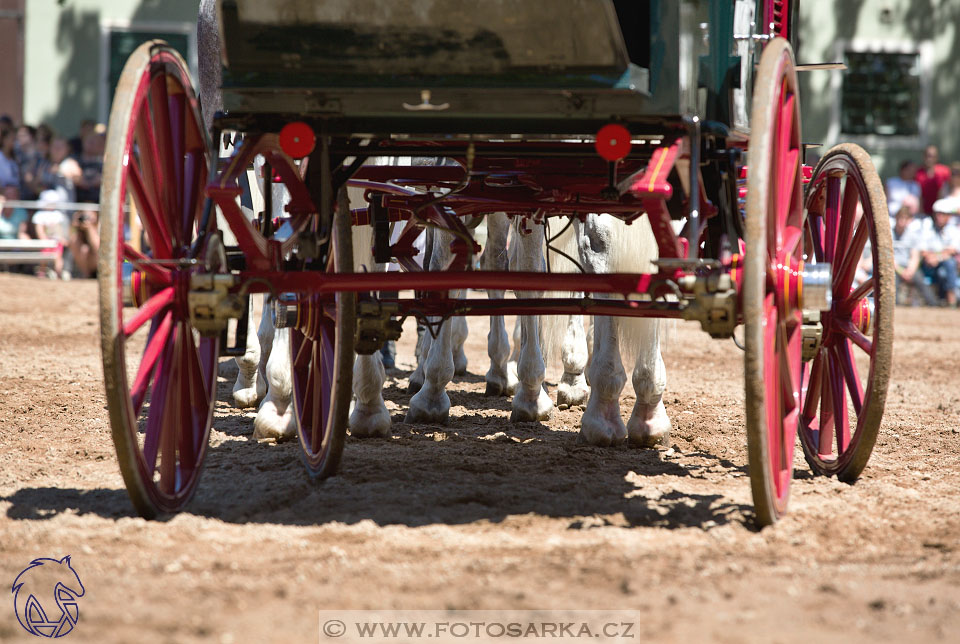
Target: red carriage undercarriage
<point x="775" y="249"/>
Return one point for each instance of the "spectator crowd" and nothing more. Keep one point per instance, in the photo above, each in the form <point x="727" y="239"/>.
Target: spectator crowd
<point x="54" y="175"/>
<point x="924" y="203"/>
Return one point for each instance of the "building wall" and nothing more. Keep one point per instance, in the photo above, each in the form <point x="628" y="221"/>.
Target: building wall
<point x="67" y="64"/>
<point x="929" y="27"/>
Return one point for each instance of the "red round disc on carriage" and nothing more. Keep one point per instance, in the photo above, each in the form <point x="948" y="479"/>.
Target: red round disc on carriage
<point x="297" y="139"/>
<point x="613" y="142"/>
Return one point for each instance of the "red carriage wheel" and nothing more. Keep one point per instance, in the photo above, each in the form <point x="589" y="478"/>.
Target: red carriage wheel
<point x="845" y="385"/>
<point x="321" y="347"/>
<point x="160" y="375"/>
<point x="772" y="320"/>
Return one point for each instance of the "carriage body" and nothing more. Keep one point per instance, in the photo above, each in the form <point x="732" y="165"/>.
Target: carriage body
<point x="541" y="109"/>
<point x="521" y="67"/>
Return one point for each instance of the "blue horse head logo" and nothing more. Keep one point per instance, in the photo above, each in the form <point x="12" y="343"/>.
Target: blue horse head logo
<point x="45" y="595"/>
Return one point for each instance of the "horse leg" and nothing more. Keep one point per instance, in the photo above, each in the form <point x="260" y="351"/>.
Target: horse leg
<point x="530" y="402"/>
<point x="369" y="417"/>
<point x="601" y="423"/>
<point x="249" y="388"/>
<point x="573" y="389"/>
<point x="431" y="404"/>
<point x="275" y="417"/>
<point x="649" y="424"/>
<point x="495" y="258"/>
<point x="458" y="336"/>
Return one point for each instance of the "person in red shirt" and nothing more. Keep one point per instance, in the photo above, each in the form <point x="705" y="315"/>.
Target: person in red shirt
<point x="931" y="177"/>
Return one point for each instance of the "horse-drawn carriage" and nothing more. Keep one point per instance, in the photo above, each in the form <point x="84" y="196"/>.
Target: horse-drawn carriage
<point x="540" y="110"/>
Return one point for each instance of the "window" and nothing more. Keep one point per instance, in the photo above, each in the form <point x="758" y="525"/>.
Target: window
<point x="881" y="93"/>
<point x="119" y="39"/>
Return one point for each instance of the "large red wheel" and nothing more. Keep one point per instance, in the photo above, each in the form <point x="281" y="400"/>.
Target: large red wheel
<point x="160" y="375"/>
<point x="772" y="318"/>
<point x="321" y="346"/>
<point x="846" y="216"/>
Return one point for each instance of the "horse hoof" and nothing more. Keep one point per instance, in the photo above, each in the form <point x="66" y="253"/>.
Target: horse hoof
<point x="493" y="389"/>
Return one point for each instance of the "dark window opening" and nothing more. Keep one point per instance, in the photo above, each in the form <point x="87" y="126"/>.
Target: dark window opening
<point x="634" y="17"/>
<point x="881" y="94"/>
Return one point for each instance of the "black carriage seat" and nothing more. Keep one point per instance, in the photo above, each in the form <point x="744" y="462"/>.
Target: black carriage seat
<point x="452" y="43"/>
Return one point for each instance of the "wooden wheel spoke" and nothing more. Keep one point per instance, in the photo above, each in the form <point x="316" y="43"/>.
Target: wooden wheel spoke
<point x="147" y="152"/>
<point x="151" y="354"/>
<point x="163" y="135"/>
<point x="172" y="419"/>
<point x="157" y="304"/>
<point x="159" y="402"/>
<point x="156" y="274"/>
<point x="827" y="410"/>
<point x="839" y="399"/>
<point x="866" y="288"/>
<point x="811" y="399"/>
<point x="844" y="357"/>
<point x="847" y="216"/>
<point x="149" y="210"/>
<point x="815" y="236"/>
<point x="314" y="392"/>
<point x="192" y="189"/>
<point x="843" y="278"/>
<point x="831" y="217"/>
<point x="192" y="406"/>
<point x="176" y="116"/>
<point x="855" y="335"/>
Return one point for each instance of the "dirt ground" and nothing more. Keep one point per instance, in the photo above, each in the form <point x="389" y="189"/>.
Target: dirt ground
<point x="481" y="514"/>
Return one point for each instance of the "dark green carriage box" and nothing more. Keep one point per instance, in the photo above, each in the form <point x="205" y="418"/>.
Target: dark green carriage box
<point x="491" y="66"/>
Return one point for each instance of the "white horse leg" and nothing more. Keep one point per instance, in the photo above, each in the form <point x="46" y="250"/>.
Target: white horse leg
<point x="530" y="402"/>
<point x="495" y="258"/>
<point x="458" y="336"/>
<point x="512" y="380"/>
<point x="431" y="404"/>
<point x="275" y="417"/>
<point x="422" y="351"/>
<point x="649" y="424"/>
<point x="601" y="423"/>
<point x="573" y="389"/>
<point x="249" y="388"/>
<point x="369" y="417"/>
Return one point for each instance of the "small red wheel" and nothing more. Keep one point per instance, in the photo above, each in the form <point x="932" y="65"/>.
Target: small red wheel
<point x="846" y="214"/>
<point x="772" y="320"/>
<point x="321" y="348"/>
<point x="160" y="375"/>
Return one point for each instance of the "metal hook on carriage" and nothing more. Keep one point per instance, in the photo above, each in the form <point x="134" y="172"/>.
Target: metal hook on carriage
<point x="425" y="105"/>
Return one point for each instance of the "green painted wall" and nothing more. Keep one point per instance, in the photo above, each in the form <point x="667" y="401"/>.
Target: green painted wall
<point x="932" y="26"/>
<point x="65" y="70"/>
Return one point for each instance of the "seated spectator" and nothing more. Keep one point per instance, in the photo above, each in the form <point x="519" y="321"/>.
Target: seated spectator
<point x="902" y="187"/>
<point x="91" y="167"/>
<point x="952" y="187"/>
<point x="53" y="225"/>
<point x="931" y="177"/>
<point x="58" y="171"/>
<point x="939" y="246"/>
<point x="13" y="221"/>
<point x="9" y="171"/>
<point x="27" y="159"/>
<point x="907" y="238"/>
<point x="84" y="243"/>
<point x="76" y="143"/>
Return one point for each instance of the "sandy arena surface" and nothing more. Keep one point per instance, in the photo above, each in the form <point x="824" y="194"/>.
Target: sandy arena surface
<point x="481" y="514"/>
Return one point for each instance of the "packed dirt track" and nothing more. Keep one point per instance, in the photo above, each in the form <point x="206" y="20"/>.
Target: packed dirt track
<point x="482" y="514"/>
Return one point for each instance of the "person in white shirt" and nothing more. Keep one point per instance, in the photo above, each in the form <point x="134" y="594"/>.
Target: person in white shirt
<point x="940" y="242"/>
<point x="903" y="189"/>
<point x="907" y="240"/>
